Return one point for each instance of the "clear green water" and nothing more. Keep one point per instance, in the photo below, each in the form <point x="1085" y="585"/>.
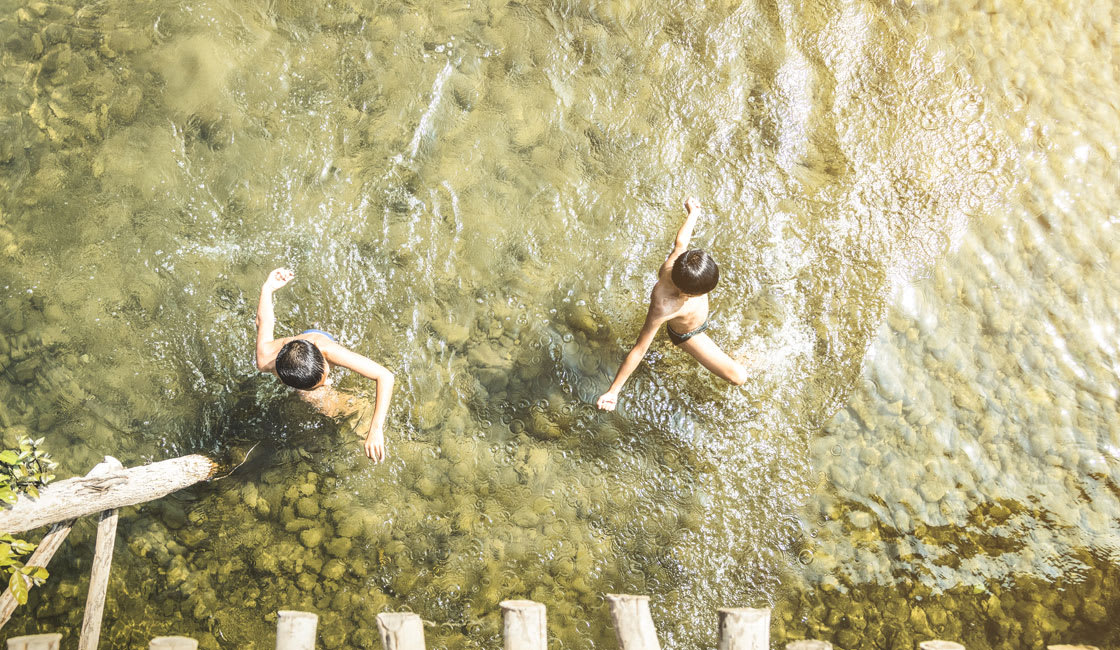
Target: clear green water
<point x="913" y="207"/>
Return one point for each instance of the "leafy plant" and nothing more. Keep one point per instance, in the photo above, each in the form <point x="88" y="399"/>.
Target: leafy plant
<point x="22" y="471"/>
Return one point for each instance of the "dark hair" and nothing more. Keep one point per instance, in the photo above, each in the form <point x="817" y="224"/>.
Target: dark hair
<point x="300" y="364"/>
<point x="695" y="272"/>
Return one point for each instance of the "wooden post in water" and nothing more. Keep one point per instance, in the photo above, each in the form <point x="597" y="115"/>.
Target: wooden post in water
<point x="632" y="622"/>
<point x="744" y="628"/>
<point x="35" y="642"/>
<point x="102" y="561"/>
<point x="86" y="495"/>
<point x="40" y="558"/>
<point x="808" y="645"/>
<point x="296" y="630"/>
<point x="525" y="625"/>
<point x="173" y="643"/>
<point x="400" y="631"/>
<point x="940" y="645"/>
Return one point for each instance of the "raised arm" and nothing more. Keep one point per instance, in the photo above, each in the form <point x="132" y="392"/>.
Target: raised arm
<point x="266" y="317"/>
<point x="608" y="400"/>
<point x="684" y="235"/>
<point x="370" y="369"/>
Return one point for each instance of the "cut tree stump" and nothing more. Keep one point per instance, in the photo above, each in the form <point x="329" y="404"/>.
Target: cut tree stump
<point x="173" y="643"/>
<point x="633" y="624"/>
<point x="525" y="625"/>
<point x="35" y="642"/>
<point x="296" y="630"/>
<point x="744" y="629"/>
<point x="400" y="631"/>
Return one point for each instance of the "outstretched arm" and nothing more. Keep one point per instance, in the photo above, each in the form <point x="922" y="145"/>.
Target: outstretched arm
<point x="608" y="400"/>
<point x="370" y="369"/>
<point x="266" y="317"/>
<point x="684" y="235"/>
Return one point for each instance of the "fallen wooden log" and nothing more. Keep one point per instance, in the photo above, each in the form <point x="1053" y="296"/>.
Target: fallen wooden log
<point x="940" y="645"/>
<point x="525" y="625"/>
<point x="400" y="631"/>
<point x="102" y="562"/>
<point x="744" y="629"/>
<point x="86" y="495"/>
<point x="40" y="558"/>
<point x="633" y="624"/>
<point x="808" y="645"/>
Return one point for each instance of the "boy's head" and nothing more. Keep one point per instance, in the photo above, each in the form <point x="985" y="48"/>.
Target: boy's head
<point x="695" y="272"/>
<point x="300" y="364"/>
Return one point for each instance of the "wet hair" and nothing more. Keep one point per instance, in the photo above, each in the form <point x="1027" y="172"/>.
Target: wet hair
<point x="695" y="272"/>
<point x="300" y="364"/>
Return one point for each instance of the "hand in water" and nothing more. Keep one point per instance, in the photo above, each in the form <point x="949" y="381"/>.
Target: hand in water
<point x="607" y="401"/>
<point x="375" y="445"/>
<point x="691" y="203"/>
<point x="278" y="278"/>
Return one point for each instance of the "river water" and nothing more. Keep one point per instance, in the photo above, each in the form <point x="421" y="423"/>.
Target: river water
<point x="913" y="205"/>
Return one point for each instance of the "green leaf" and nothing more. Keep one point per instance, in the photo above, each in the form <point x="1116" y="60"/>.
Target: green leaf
<point x="9" y="457"/>
<point x="23" y="547"/>
<point x="33" y="491"/>
<point x="19" y="588"/>
<point x="36" y="573"/>
<point x="7" y="496"/>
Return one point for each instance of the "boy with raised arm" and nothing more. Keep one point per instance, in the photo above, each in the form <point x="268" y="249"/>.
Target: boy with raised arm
<point x="680" y="300"/>
<point x="304" y="363"/>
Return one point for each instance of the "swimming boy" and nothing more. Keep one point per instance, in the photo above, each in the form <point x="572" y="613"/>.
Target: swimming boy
<point x="304" y="362"/>
<point x="680" y="300"/>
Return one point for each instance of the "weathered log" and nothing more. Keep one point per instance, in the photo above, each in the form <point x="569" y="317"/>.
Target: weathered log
<point x="633" y="623"/>
<point x="400" y="631"/>
<point x="35" y="642"/>
<point x="808" y="644"/>
<point x="744" y="629"/>
<point x="296" y="630"/>
<point x="81" y="496"/>
<point x="525" y="625"/>
<point x="48" y="546"/>
<point x="940" y="645"/>
<point x="102" y="562"/>
<point x="1072" y="647"/>
<point x="173" y="643"/>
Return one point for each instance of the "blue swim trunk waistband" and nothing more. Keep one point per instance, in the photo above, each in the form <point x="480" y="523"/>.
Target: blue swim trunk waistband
<point x="318" y="331"/>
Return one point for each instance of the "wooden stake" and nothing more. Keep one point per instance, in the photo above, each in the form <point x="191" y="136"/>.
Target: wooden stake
<point x="40" y="558"/>
<point x="744" y="629"/>
<point x="102" y="562"/>
<point x="808" y="645"/>
<point x="35" y="642"/>
<point x="173" y="643"/>
<point x="296" y="630"/>
<point x="632" y="622"/>
<point x="940" y="645"/>
<point x="525" y="625"/>
<point x="86" y="495"/>
<point x="400" y="631"/>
